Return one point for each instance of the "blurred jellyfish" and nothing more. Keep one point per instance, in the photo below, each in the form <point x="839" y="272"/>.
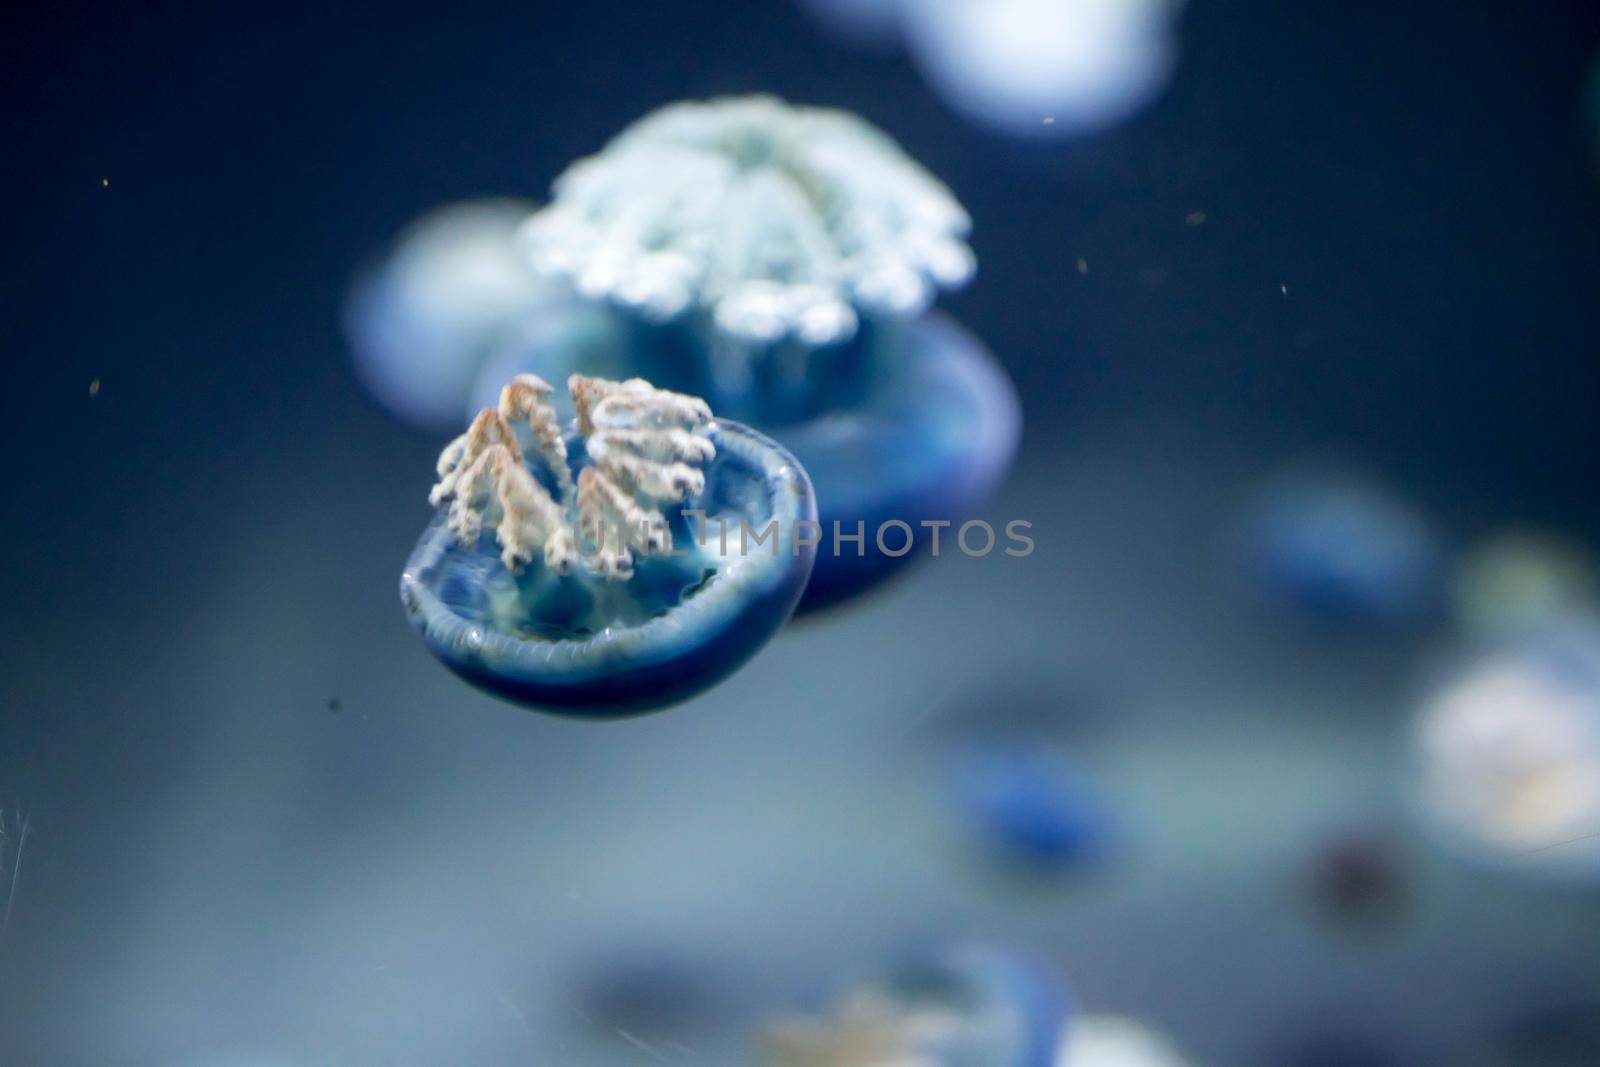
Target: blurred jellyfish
<point x="1044" y="67"/>
<point x="422" y="321"/>
<point x="1520" y="580"/>
<point x="780" y="261"/>
<point x="1341" y="547"/>
<point x="608" y="569"/>
<point x="1031" y="68"/>
<point x="1031" y="809"/>
<point x="959" y="1005"/>
<point x="1508" y="754"/>
<point x="1111" y="1041"/>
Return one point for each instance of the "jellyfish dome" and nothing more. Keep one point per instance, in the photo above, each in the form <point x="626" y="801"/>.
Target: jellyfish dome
<point x="422" y="321"/>
<point x="955" y="1005"/>
<point x="627" y="563"/>
<point x="1044" y="68"/>
<point x="781" y="262"/>
<point x="1508" y="754"/>
<point x="1341" y="547"/>
<point x="1031" y="809"/>
<point x="1032" y="69"/>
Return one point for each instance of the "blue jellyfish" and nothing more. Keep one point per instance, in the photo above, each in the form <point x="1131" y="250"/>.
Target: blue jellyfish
<point x="623" y="565"/>
<point x="781" y="261"/>
<point x="1342" y="548"/>
<point x="1026" y="68"/>
<point x="422" y="321"/>
<point x="955" y="1005"/>
<point x="1032" y="809"/>
<point x="1507" y="754"/>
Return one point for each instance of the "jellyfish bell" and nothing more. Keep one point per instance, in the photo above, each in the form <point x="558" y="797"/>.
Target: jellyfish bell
<point x="1044" y="68"/>
<point x="1340" y="547"/>
<point x="781" y="262"/>
<point x="960" y="1004"/>
<point x="1507" y="754"/>
<point x="423" y="319"/>
<point x="1031" y="809"/>
<point x="627" y="563"/>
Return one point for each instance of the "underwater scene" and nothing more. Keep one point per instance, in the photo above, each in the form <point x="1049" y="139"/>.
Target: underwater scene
<point x="802" y="533"/>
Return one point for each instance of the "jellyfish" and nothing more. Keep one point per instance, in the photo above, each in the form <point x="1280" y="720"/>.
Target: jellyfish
<point x="627" y="563"/>
<point x="1341" y="547"/>
<point x="1026" y="68"/>
<point x="1507" y="751"/>
<point x="781" y="261"/>
<point x="1031" y="809"/>
<point x="423" y="320"/>
<point x="955" y="1005"/>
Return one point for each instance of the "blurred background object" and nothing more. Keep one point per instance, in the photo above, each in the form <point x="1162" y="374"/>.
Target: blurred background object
<point x="1340" y="547"/>
<point x="1110" y="1041"/>
<point x="425" y="318"/>
<point x="961" y="1004"/>
<point x="1519" y="580"/>
<point x="1026" y="68"/>
<point x="1508" y="750"/>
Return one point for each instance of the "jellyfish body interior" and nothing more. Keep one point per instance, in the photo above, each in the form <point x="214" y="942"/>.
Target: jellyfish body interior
<point x="780" y="262"/>
<point x="547" y="577"/>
